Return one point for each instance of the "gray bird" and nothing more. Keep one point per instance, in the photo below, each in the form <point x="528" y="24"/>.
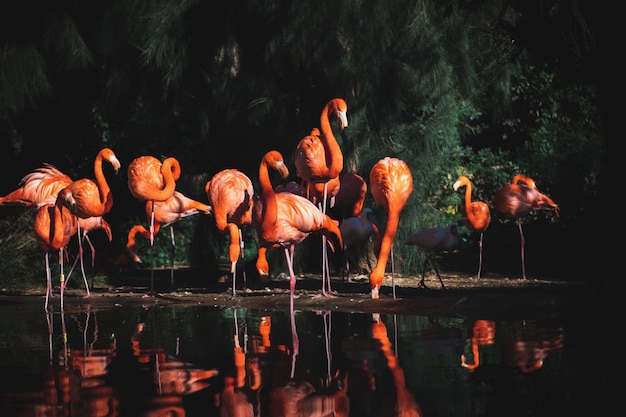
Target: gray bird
<point x="356" y="231"/>
<point x="431" y="242"/>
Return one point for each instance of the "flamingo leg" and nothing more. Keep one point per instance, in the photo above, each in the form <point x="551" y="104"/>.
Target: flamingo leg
<point x="480" y="254"/>
<point x="292" y="288"/>
<point x="393" y="278"/>
<point x="242" y="252"/>
<point x="61" y="278"/>
<point x="172" y="255"/>
<point x="48" y="281"/>
<point x="82" y="265"/>
<point x="522" y="242"/>
<point x="151" y="293"/>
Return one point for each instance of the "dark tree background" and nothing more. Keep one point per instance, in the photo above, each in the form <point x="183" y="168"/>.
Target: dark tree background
<point x="480" y="88"/>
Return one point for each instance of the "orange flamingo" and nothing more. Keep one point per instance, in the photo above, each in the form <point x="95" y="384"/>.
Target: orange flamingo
<point x="53" y="227"/>
<point x="517" y="200"/>
<point x="433" y="240"/>
<point x="231" y="194"/>
<point x="38" y="188"/>
<point x="87" y="198"/>
<point x="391" y="183"/>
<point x="162" y="214"/>
<point x="319" y="161"/>
<point x="42" y="186"/>
<point x="286" y="219"/>
<point x="86" y="226"/>
<point x="151" y="180"/>
<point x="476" y="215"/>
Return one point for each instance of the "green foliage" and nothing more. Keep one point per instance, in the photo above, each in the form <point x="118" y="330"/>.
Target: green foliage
<point x="21" y="259"/>
<point x="450" y="87"/>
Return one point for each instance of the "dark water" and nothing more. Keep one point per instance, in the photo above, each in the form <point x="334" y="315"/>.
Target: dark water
<point x="221" y="361"/>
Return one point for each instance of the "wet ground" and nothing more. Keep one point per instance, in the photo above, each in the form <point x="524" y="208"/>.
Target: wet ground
<point x="463" y="294"/>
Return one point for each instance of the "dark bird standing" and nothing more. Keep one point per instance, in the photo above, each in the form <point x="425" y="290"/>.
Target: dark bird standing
<point x="431" y="242"/>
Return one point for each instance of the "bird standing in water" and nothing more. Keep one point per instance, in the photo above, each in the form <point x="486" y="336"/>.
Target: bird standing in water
<point x="391" y="184"/>
<point x="151" y="180"/>
<point x="54" y="226"/>
<point x="285" y="220"/>
<point x="431" y="242"/>
<point x="476" y="214"/>
<point x="319" y="161"/>
<point x="519" y="198"/>
<point x="231" y="194"/>
<point x="163" y="214"/>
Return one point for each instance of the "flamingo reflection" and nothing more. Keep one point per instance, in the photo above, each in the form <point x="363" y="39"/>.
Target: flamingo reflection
<point x="172" y="378"/>
<point x="484" y="333"/>
<point x="530" y="346"/>
<point x="405" y="403"/>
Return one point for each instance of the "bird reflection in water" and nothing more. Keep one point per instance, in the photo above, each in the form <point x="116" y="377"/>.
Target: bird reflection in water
<point x="308" y="394"/>
<point x="529" y="347"/>
<point x="172" y="378"/>
<point x="405" y="403"/>
<point x="240" y="395"/>
<point x="484" y="333"/>
<point x="74" y="382"/>
<point x="525" y="350"/>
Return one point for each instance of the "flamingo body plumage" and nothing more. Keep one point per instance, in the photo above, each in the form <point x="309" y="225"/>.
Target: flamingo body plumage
<point x="286" y="219"/>
<point x="391" y="185"/>
<point x="88" y="198"/>
<point x="519" y="198"/>
<point x="153" y="180"/>
<point x="231" y="194"/>
<point x="167" y="212"/>
<point x="53" y="227"/>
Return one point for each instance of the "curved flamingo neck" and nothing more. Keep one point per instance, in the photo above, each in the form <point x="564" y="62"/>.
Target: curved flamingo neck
<point x="334" y="155"/>
<point x="468" y="197"/>
<point x="170" y="170"/>
<point x="270" y="207"/>
<point x="106" y="198"/>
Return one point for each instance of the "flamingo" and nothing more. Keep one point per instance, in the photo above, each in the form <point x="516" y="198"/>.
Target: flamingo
<point x="432" y="241"/>
<point x="42" y="186"/>
<point x="54" y="226"/>
<point x="231" y="194"/>
<point x="286" y="219"/>
<point x="319" y="161"/>
<point x="151" y="180"/>
<point x="355" y="231"/>
<point x="86" y="226"/>
<point x="38" y="188"/>
<point x="86" y="198"/>
<point x="391" y="183"/>
<point x="517" y="200"/>
<point x="476" y="215"/>
<point x="162" y="214"/>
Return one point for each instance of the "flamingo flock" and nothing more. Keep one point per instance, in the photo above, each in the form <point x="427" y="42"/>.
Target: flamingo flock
<point x="328" y="201"/>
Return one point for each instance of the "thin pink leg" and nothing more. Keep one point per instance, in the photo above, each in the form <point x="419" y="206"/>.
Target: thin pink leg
<point x="521" y="234"/>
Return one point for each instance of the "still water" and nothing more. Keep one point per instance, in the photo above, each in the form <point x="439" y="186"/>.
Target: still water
<point x="224" y="361"/>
